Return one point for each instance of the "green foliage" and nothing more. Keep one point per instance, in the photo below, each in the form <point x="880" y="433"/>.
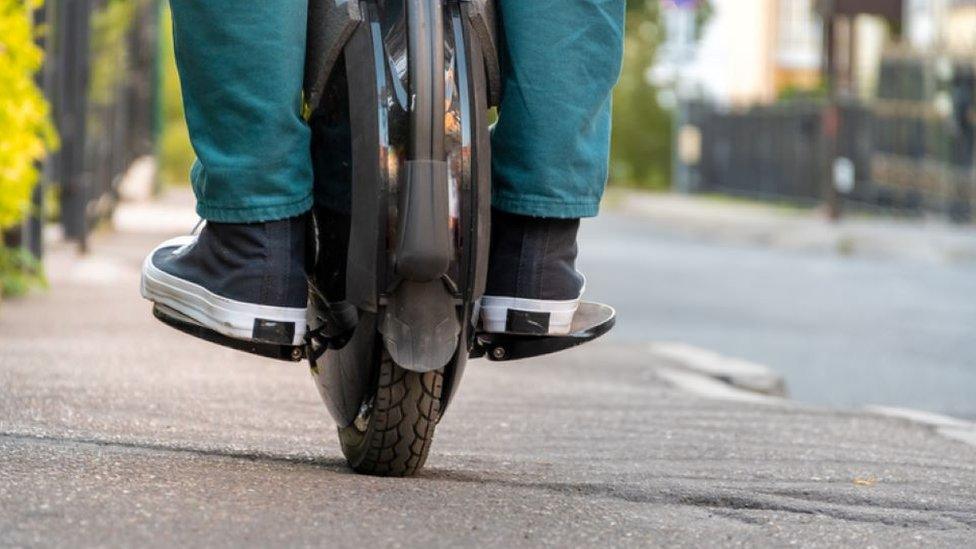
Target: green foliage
<point x="641" y="153"/>
<point x="19" y="272"/>
<point x="110" y="28"/>
<point x="797" y="93"/>
<point x="175" y="152"/>
<point x="703" y="13"/>
<point x="26" y="134"/>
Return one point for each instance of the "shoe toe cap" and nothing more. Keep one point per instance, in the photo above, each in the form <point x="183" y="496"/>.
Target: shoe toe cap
<point x="160" y="253"/>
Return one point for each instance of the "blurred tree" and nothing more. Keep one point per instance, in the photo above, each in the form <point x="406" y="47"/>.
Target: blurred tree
<point x="641" y="153"/>
<point x="110" y="26"/>
<point x="26" y="133"/>
<point x="175" y="152"/>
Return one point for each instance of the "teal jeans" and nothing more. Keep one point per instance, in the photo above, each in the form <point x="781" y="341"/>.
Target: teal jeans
<point x="241" y="66"/>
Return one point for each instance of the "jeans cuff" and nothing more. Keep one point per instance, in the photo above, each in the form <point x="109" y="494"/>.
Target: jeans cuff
<point x="254" y="214"/>
<point x="545" y="207"/>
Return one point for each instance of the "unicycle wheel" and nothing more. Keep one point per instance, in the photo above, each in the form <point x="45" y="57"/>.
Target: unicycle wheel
<point x="392" y="433"/>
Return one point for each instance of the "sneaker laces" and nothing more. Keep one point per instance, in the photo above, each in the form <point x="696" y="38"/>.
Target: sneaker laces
<point x="195" y="232"/>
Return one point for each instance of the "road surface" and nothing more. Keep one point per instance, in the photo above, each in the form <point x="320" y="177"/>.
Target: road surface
<point x="844" y="331"/>
<point x="117" y="431"/>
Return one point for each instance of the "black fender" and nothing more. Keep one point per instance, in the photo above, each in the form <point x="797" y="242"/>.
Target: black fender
<point x="331" y="23"/>
<point x="483" y="18"/>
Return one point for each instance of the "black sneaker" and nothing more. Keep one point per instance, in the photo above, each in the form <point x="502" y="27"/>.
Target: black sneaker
<point x="245" y="281"/>
<point x="533" y="285"/>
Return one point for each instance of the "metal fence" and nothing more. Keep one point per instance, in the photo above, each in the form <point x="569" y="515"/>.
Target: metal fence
<point x="100" y="77"/>
<point x="910" y="154"/>
<point x="768" y="152"/>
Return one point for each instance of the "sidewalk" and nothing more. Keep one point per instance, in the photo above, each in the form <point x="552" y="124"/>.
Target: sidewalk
<point x="742" y="222"/>
<point x="115" y="430"/>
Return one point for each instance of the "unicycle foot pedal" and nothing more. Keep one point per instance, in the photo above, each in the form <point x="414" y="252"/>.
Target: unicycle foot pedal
<point x="189" y="326"/>
<point x="591" y="321"/>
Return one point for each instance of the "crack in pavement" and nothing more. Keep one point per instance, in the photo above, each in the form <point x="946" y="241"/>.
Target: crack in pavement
<point x="734" y="501"/>
<point x="731" y="503"/>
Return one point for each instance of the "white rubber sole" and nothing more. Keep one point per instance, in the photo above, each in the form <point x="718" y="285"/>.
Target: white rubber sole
<point x="495" y="313"/>
<point x="231" y="318"/>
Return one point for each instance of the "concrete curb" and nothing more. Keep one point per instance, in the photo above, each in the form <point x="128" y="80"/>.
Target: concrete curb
<point x="711" y="388"/>
<point x="710" y="375"/>
<point x="950" y="427"/>
<point x="743" y="375"/>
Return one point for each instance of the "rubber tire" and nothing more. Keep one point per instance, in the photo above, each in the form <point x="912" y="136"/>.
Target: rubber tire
<point x="400" y="426"/>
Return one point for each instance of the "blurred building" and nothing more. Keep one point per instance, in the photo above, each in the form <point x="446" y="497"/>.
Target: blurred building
<point x="755" y="51"/>
<point x="882" y="103"/>
<point x="942" y="25"/>
<point x="798" y="48"/>
<point x="748" y="51"/>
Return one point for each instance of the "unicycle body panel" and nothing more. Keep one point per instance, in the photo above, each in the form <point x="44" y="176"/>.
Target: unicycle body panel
<point x="402" y="165"/>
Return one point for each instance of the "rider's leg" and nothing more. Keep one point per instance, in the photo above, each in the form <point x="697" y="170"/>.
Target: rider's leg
<point x="241" y="68"/>
<point x="551" y="149"/>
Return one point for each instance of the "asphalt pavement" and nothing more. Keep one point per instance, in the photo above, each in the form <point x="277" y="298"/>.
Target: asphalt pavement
<point x="117" y="431"/>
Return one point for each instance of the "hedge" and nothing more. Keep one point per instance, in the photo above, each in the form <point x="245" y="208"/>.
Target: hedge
<point x="26" y="132"/>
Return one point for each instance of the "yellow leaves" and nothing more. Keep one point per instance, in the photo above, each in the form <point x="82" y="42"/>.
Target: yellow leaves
<point x="26" y="133"/>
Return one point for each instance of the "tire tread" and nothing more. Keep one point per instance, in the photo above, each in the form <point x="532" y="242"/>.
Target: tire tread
<point x="405" y="412"/>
